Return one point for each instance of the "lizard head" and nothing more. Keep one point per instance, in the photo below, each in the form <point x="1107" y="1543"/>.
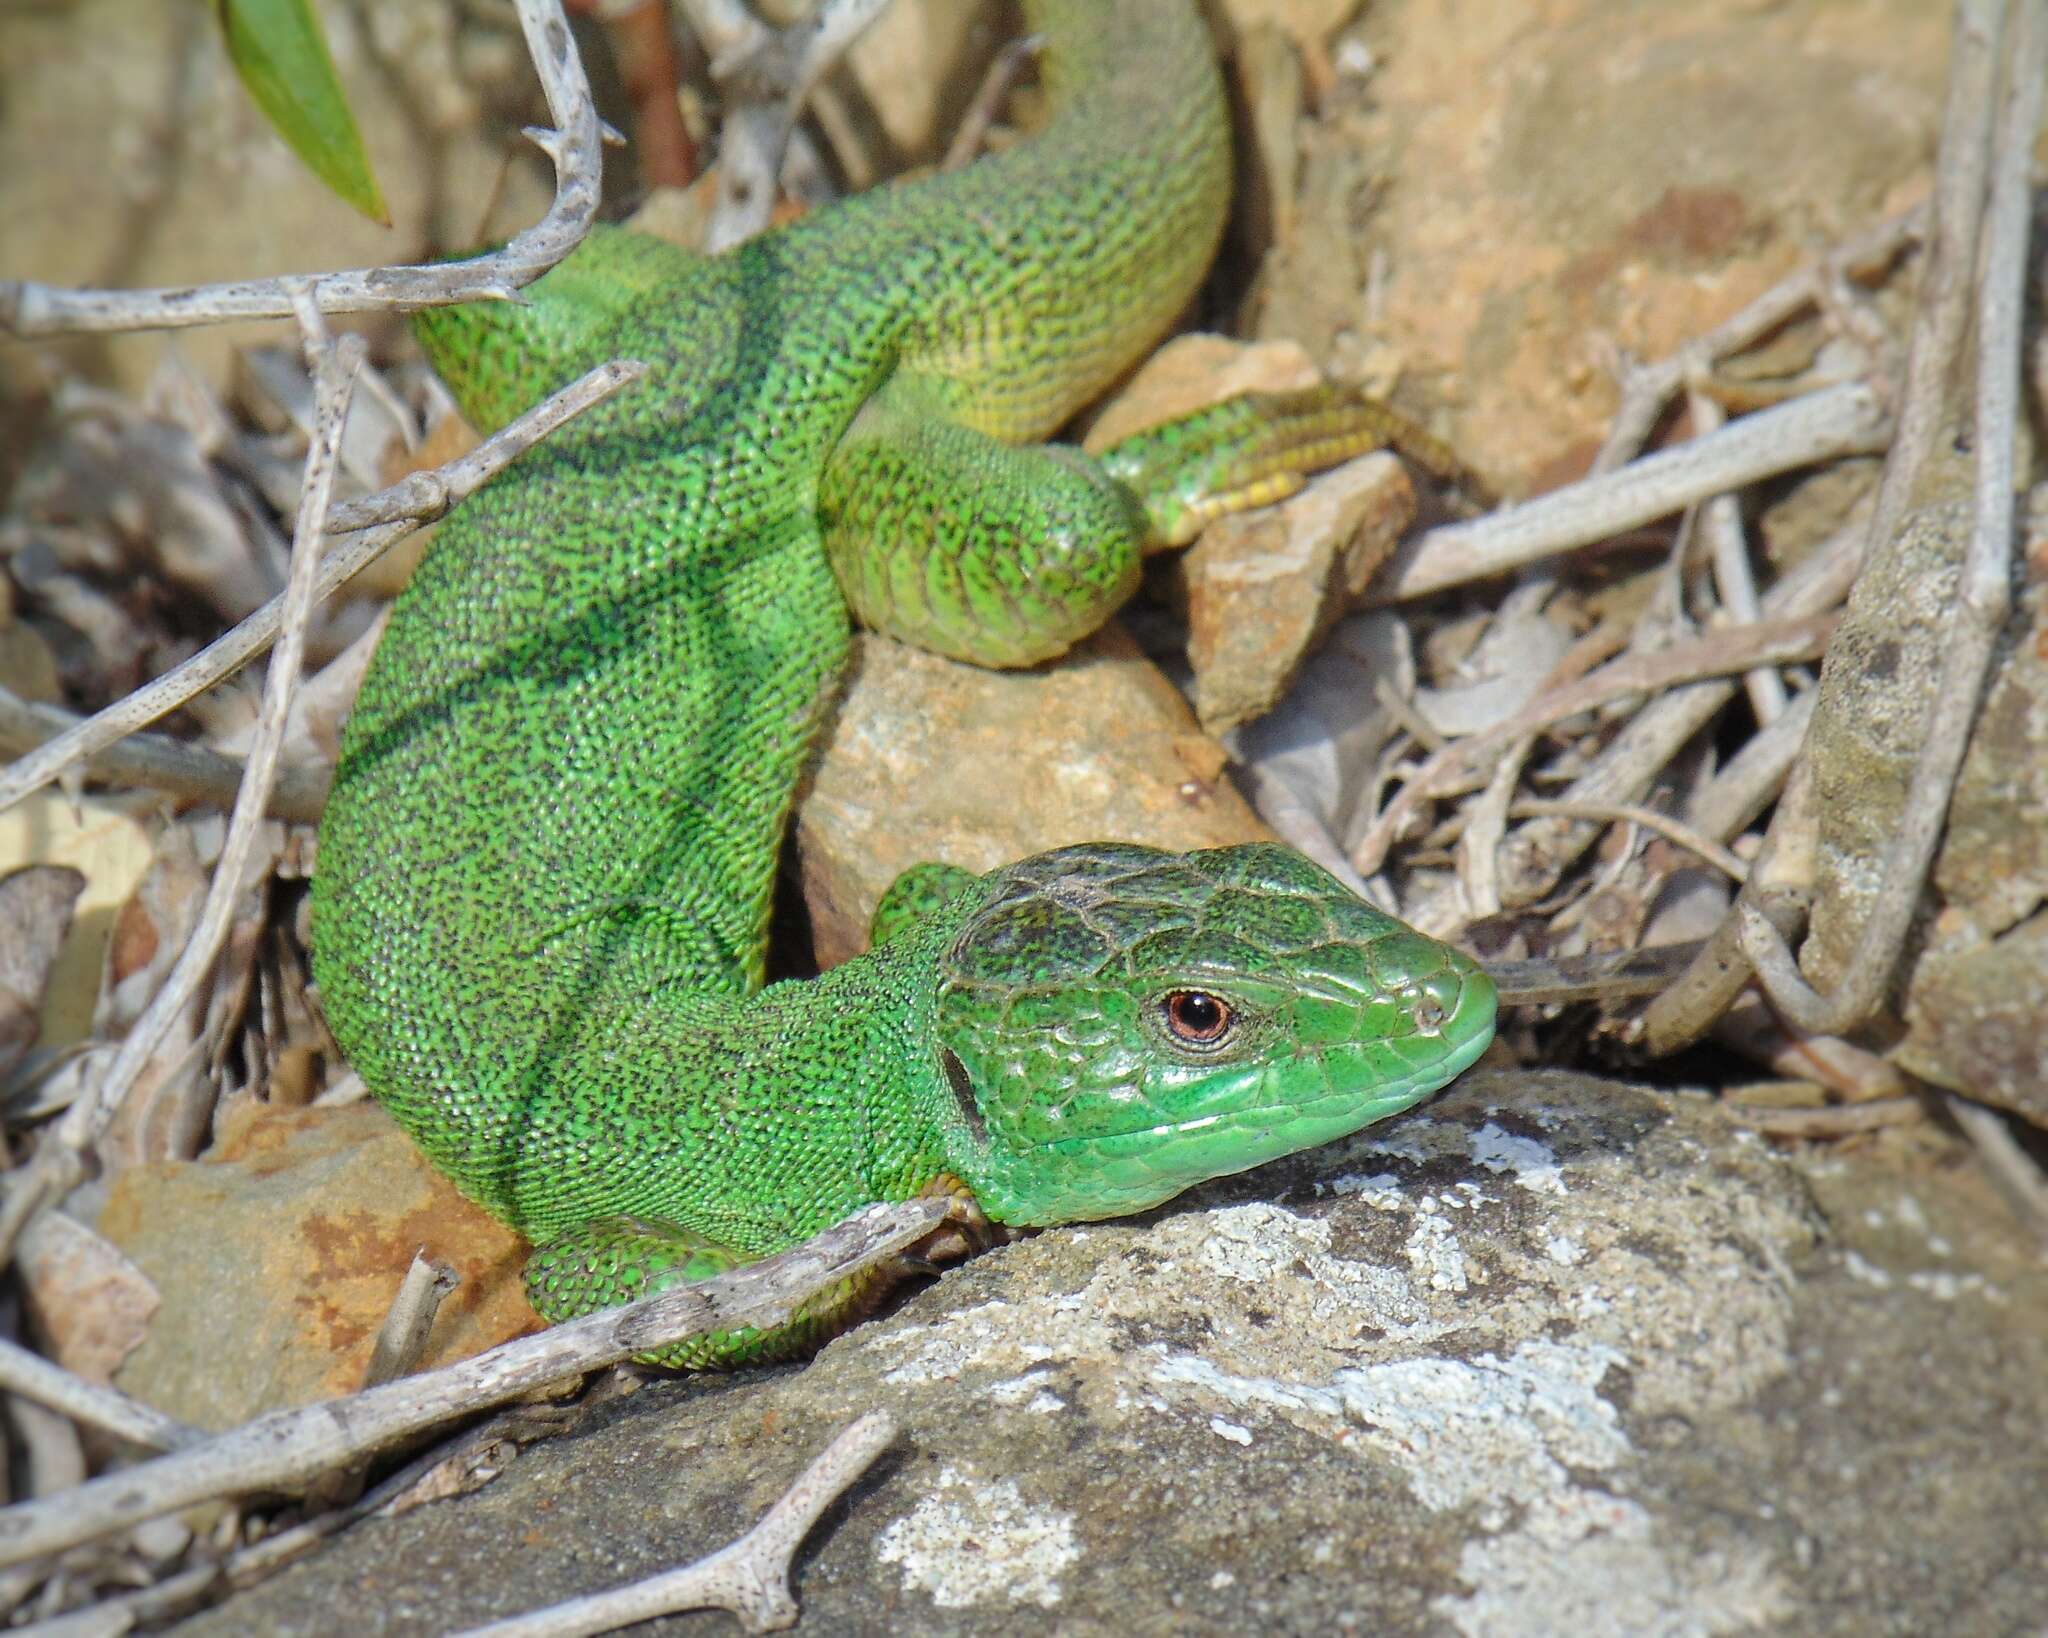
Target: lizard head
<point x="1116" y="1024"/>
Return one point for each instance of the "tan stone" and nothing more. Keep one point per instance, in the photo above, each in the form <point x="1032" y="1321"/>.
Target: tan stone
<point x="932" y="760"/>
<point x="278" y="1255"/>
<point x="1554" y="180"/>
<point x="1264" y="588"/>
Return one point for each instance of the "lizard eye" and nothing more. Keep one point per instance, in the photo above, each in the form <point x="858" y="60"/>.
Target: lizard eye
<point x="1196" y="1017"/>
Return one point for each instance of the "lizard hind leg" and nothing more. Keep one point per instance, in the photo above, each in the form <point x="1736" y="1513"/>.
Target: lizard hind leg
<point x="1261" y="447"/>
<point x="612" y="1260"/>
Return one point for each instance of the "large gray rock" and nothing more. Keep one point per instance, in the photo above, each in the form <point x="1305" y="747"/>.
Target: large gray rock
<point x="1550" y="1355"/>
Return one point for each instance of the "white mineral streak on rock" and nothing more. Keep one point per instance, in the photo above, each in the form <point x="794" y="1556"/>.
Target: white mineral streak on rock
<point x="1587" y="1563"/>
<point x="1532" y="1165"/>
<point x="973" y="1542"/>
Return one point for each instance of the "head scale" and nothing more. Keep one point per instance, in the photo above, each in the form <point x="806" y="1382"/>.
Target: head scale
<point x="1116" y="1024"/>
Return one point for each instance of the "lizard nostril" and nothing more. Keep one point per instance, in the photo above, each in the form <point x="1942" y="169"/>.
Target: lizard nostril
<point x="1429" y="1015"/>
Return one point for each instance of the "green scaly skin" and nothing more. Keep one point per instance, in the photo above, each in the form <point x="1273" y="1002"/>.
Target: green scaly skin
<point x="545" y="872"/>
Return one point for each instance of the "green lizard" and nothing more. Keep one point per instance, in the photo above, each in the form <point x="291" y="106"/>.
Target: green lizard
<point x="544" y="874"/>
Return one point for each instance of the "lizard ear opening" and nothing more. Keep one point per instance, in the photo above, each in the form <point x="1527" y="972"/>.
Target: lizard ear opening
<point x="963" y="1094"/>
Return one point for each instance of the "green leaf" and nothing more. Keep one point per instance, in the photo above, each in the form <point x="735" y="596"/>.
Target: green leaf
<point x="281" y="55"/>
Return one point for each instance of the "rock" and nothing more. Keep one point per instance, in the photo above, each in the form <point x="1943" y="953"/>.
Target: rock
<point x="1974" y="1012"/>
<point x="1261" y="588"/>
<point x="1617" y="176"/>
<point x="89" y="1305"/>
<point x="928" y="759"/>
<point x="1551" y="1356"/>
<point x="1973" y="988"/>
<point x="1264" y="588"/>
<point x="1976" y="997"/>
<point x="278" y="1255"/>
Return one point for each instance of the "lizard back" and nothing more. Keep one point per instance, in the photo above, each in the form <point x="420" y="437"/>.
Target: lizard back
<point x="553" y="836"/>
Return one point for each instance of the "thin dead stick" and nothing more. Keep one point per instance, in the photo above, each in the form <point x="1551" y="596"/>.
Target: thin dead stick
<point x="1737" y="795"/>
<point x="768" y="73"/>
<point x="58" y="1163"/>
<point x="1647" y="388"/>
<point x="1828" y="1120"/>
<point x="247" y="1566"/>
<point x="574" y="146"/>
<point x="1773" y="642"/>
<point x="1848" y="419"/>
<point x="34" y="1377"/>
<point x="1628" y="765"/>
<point x="402" y="1338"/>
<point x="2010" y="1167"/>
<point x="1943" y="307"/>
<point x="1672" y="830"/>
<point x="1852" y="1073"/>
<point x="1486" y="823"/>
<point x="1552" y="980"/>
<point x="90" y="1622"/>
<point x="750" y="1577"/>
<point x="159" y="763"/>
<point x="1983" y="591"/>
<point x="233" y="649"/>
<point x="1697" y="998"/>
<point x="1002" y="74"/>
<point x="287" y="1450"/>
<point x="401" y="1341"/>
<point x="1728" y="552"/>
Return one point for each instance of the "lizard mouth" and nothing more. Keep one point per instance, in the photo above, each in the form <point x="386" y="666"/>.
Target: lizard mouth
<point x="1352" y="1105"/>
<point x="1349" y="1086"/>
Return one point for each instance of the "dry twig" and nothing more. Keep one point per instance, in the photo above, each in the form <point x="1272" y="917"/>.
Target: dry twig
<point x="1003" y="73"/>
<point x="159" y="763"/>
<point x="1634" y="813"/>
<point x="1848" y="419"/>
<point x="289" y="1449"/>
<point x="1647" y="388"/>
<point x="1728" y="551"/>
<point x="1827" y="1120"/>
<point x="769" y="73"/>
<point x="2009" y="1166"/>
<point x="750" y="1577"/>
<point x="1616" y="976"/>
<point x="402" y="1338"/>
<point x="110" y="1410"/>
<point x="1776" y="642"/>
